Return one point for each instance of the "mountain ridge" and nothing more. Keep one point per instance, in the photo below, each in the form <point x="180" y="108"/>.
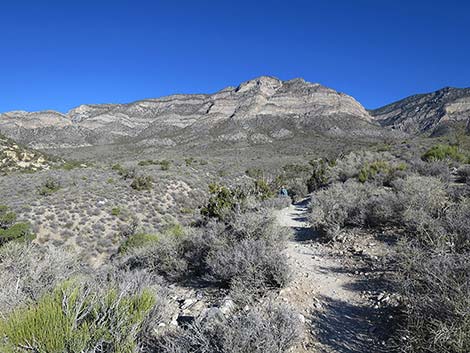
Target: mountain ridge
<point x="260" y="110"/>
<point x="432" y="114"/>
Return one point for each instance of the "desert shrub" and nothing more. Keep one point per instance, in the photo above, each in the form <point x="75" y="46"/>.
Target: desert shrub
<point x="374" y="170"/>
<point x="262" y="190"/>
<point x="456" y="221"/>
<point x="423" y="200"/>
<point x="222" y="201"/>
<point x="77" y="318"/>
<point x="164" y="255"/>
<point x="297" y="189"/>
<point x="258" y="264"/>
<point x="245" y="248"/>
<point x="27" y="271"/>
<point x="248" y="251"/>
<point x="125" y="173"/>
<point x="116" y="211"/>
<point x="351" y="204"/>
<point x="254" y="173"/>
<point x="270" y="328"/>
<point x="142" y="182"/>
<point x="7" y="218"/>
<point x="444" y="152"/>
<point x="365" y="165"/>
<point x="189" y="161"/>
<point x="17" y="232"/>
<point x="319" y="177"/>
<point x="49" y="186"/>
<point x="165" y="164"/>
<point x="137" y="241"/>
<point x="70" y="165"/>
<point x="438" y="169"/>
<point x="436" y="288"/>
<point x="11" y="231"/>
<point x="147" y="162"/>
<point x="463" y="174"/>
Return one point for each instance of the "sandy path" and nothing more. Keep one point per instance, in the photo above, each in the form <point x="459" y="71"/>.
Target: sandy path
<point x="337" y="318"/>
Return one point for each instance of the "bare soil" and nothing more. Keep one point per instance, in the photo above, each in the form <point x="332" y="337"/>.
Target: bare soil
<point x="335" y="287"/>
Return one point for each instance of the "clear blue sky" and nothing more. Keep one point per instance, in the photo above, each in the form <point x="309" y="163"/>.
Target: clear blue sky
<point x="59" y="54"/>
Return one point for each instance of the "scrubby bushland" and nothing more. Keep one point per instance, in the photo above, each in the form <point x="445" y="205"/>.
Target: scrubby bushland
<point x="27" y="271"/>
<point x="368" y="164"/>
<point x="78" y="317"/>
<point x="271" y="328"/>
<point x="246" y="249"/>
<point x="433" y="263"/>
<point x="352" y="204"/>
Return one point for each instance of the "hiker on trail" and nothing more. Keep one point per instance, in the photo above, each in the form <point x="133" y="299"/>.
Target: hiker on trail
<point x="283" y="191"/>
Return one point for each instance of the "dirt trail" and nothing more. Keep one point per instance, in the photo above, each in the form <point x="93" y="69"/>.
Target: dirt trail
<point x="326" y="292"/>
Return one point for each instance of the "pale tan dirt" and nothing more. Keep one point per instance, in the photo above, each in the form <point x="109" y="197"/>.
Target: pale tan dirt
<point x="338" y="317"/>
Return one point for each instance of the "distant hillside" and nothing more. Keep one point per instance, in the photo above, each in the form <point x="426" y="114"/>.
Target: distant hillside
<point x="16" y="158"/>
<point x="259" y="111"/>
<point x="432" y="114"/>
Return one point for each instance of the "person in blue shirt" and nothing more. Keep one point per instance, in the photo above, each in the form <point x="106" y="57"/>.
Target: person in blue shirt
<point x="283" y="191"/>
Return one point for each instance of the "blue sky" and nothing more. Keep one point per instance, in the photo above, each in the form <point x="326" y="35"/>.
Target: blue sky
<point x="59" y="54"/>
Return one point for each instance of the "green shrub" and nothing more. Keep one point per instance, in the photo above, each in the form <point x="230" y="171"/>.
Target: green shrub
<point x="137" y="241"/>
<point x="262" y="190"/>
<point x="49" y="187"/>
<point x="319" y="176"/>
<point x="17" y="232"/>
<point x="370" y="170"/>
<point x="69" y="165"/>
<point x="75" y="318"/>
<point x="441" y="152"/>
<point x="7" y="218"/>
<point x="165" y="164"/>
<point x="254" y="173"/>
<point x="142" y="183"/>
<point x="116" y="211"/>
<point x="222" y="201"/>
<point x="189" y="161"/>
<point x="147" y="162"/>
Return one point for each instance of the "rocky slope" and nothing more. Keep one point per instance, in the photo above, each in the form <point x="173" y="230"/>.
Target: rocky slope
<point x="432" y="114"/>
<point x="256" y="112"/>
<point x="16" y="158"/>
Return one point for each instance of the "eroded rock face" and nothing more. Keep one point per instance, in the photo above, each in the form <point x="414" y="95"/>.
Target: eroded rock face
<point x="432" y="113"/>
<point x="258" y="111"/>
